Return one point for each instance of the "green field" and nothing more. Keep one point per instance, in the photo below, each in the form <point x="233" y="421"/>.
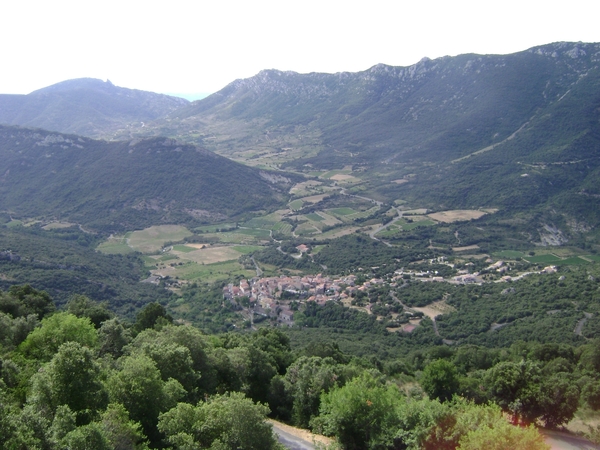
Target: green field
<point x="345" y="211"/>
<point x="314" y="217"/>
<point x="574" y="261"/>
<point x="115" y="245"/>
<point x="245" y="249"/>
<point x="543" y="259"/>
<point x="184" y="248"/>
<point x="214" y="228"/>
<point x="282" y="227"/>
<point x="152" y="239"/>
<point x="296" y="205"/>
<point x="420" y="223"/>
<point x="255" y="232"/>
<point x="209" y="273"/>
<point x="509" y="254"/>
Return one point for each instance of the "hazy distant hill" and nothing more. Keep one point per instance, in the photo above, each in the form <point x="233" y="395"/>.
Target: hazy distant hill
<point x="126" y="185"/>
<point x="86" y="106"/>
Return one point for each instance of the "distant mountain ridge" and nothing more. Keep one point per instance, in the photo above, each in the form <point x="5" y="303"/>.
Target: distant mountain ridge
<point x="86" y="106"/>
<point x="125" y="185"/>
<point x="390" y="111"/>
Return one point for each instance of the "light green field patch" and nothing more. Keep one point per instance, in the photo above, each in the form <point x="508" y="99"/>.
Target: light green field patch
<point x="14" y="223"/>
<point x="338" y="232"/>
<point x="314" y="217"/>
<point x="245" y="249"/>
<point x="208" y="273"/>
<point x="316" y="249"/>
<point x="211" y="255"/>
<point x="542" y="259"/>
<point x="57" y="225"/>
<point x="282" y="227"/>
<point x="152" y="239"/>
<point x="509" y="254"/>
<point x="254" y="232"/>
<point x="216" y="227"/>
<point x="115" y="245"/>
<point x="345" y="211"/>
<point x="306" y="229"/>
<point x="412" y="212"/>
<point x="415" y="224"/>
<point x="575" y="261"/>
<point x="184" y="248"/>
<point x="296" y="205"/>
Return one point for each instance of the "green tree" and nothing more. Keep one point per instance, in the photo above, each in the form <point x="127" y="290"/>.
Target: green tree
<point x="71" y="378"/>
<point x="223" y="422"/>
<point x="138" y="386"/>
<point x="306" y="379"/>
<point x="82" y="306"/>
<point x="113" y="336"/>
<point x="151" y="315"/>
<point x="440" y="380"/>
<point x="43" y="342"/>
<point x="360" y="414"/>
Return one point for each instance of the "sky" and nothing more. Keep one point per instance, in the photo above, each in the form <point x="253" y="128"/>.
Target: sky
<point x="191" y="47"/>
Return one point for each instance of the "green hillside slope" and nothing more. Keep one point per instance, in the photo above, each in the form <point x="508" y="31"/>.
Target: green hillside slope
<point x="125" y="185"/>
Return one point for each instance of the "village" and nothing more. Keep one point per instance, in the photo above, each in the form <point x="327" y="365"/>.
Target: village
<point x="277" y="298"/>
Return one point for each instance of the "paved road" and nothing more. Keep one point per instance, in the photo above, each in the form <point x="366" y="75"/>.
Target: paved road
<point x="564" y="441"/>
<point x="289" y="440"/>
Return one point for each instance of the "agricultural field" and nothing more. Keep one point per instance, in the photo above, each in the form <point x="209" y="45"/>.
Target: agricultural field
<point x="153" y="239"/>
<point x="116" y="245"/>
<point x="457" y="215"/>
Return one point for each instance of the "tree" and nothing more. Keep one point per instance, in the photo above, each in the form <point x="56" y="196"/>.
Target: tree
<point x="558" y="400"/>
<point x="515" y="387"/>
<point x="82" y="306"/>
<point x="43" y="342"/>
<point x="113" y="336"/>
<point x="306" y="379"/>
<point x="440" y="380"/>
<point x="138" y="386"/>
<point x="152" y="314"/>
<point x="360" y="414"/>
<point x="25" y="300"/>
<point x="223" y="422"/>
<point x="71" y="378"/>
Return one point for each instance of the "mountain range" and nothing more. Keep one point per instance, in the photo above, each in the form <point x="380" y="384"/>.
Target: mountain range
<point x="518" y="132"/>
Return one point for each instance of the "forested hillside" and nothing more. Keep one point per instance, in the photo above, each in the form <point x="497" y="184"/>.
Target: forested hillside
<point x="126" y="185"/>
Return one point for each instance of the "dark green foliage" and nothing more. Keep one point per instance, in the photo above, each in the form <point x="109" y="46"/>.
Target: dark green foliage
<point x="64" y="265"/>
<point x="81" y="306"/>
<point x="97" y="183"/>
<point x="151" y="315"/>
<point x="440" y="380"/>
<point x="223" y="422"/>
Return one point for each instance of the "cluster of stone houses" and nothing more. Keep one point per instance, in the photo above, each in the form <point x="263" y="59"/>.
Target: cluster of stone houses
<point x="272" y="296"/>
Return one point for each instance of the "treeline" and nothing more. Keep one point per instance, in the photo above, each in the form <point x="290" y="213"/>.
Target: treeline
<point x="82" y="379"/>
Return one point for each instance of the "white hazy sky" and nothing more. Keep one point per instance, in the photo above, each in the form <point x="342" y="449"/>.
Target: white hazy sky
<point x="200" y="46"/>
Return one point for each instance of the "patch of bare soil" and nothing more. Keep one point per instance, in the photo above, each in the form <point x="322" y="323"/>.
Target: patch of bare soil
<point x="464" y="249"/>
<point x="435" y="309"/>
<point x="457" y="215"/>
